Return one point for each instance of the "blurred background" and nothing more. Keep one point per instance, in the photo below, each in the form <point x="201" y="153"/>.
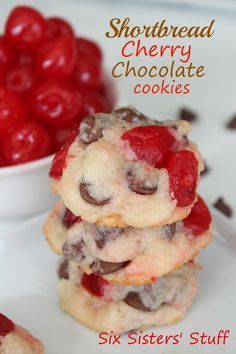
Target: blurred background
<point x="211" y="100"/>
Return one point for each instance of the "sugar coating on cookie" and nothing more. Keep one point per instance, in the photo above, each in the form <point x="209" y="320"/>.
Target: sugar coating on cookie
<point x="123" y="169"/>
<point x="15" y="339"/>
<point x="102" y="306"/>
<point x="125" y="255"/>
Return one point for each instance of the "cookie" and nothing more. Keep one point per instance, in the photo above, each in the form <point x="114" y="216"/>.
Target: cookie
<point x="119" y="309"/>
<point x="129" y="255"/>
<point x="124" y="169"/>
<point x="56" y="226"/>
<point x="16" y="340"/>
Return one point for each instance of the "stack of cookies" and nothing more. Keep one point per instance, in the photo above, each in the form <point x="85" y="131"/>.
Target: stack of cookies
<point x="130" y="223"/>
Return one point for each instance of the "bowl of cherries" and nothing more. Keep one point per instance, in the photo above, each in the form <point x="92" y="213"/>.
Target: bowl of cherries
<point x="50" y="79"/>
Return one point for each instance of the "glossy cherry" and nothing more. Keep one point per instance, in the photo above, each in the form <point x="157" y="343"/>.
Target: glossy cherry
<point x="183" y="176"/>
<point x="61" y="134"/>
<point x="69" y="219"/>
<point x="12" y="110"/>
<point x="198" y="221"/>
<point x="87" y="73"/>
<point x="88" y="49"/>
<point x="109" y="95"/>
<point x="6" y="325"/>
<point x="27" y="142"/>
<point x="55" y="102"/>
<point x="6" y="56"/>
<point x="47" y="77"/>
<point x="25" y="28"/>
<point x="59" y="161"/>
<point x="153" y="144"/>
<point x="57" y="58"/>
<point x="57" y="27"/>
<point x="3" y="161"/>
<point x="93" y="102"/>
<point x="20" y="79"/>
<point x="24" y="59"/>
<point x="94" y="284"/>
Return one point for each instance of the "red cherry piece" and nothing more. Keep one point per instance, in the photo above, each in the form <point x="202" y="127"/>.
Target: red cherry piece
<point x="93" y="103"/>
<point x="69" y="219"/>
<point x="57" y="58"/>
<point x="20" y="79"/>
<point x="153" y="144"/>
<point x="25" y="28"/>
<point x="6" y="325"/>
<point x="11" y="110"/>
<point x="56" y="103"/>
<point x="94" y="284"/>
<point x="59" y="160"/>
<point x="183" y="176"/>
<point x="57" y="27"/>
<point x="199" y="219"/>
<point x="87" y="73"/>
<point x="89" y="49"/>
<point x="28" y="141"/>
<point x="6" y="55"/>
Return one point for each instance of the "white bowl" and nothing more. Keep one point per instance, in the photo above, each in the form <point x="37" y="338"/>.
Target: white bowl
<point x="25" y="190"/>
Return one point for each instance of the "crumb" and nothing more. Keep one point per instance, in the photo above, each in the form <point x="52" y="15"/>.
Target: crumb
<point x="188" y="115"/>
<point x="206" y="169"/>
<point x="223" y="207"/>
<point x="232" y="123"/>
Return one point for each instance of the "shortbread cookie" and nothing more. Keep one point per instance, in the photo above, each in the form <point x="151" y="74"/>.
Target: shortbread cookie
<point x="123" y="169"/>
<point x="129" y="255"/>
<point x="16" y="340"/>
<point x="105" y="307"/>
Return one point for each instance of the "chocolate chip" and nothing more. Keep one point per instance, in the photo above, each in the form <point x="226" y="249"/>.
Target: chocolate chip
<point x="129" y="115"/>
<point x="89" y="130"/>
<point x="169" y="231"/>
<point x="232" y="123"/>
<point x="223" y="207"/>
<point x="63" y="269"/>
<point x="69" y="219"/>
<point x="133" y="300"/>
<point x="140" y="186"/>
<point x="188" y="115"/>
<point x="73" y="250"/>
<point x="83" y="187"/>
<point x="103" y="268"/>
<point x="105" y="234"/>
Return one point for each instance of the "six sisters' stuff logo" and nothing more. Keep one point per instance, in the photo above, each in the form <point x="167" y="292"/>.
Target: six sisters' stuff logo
<point x="220" y="338"/>
<point x="171" y="78"/>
